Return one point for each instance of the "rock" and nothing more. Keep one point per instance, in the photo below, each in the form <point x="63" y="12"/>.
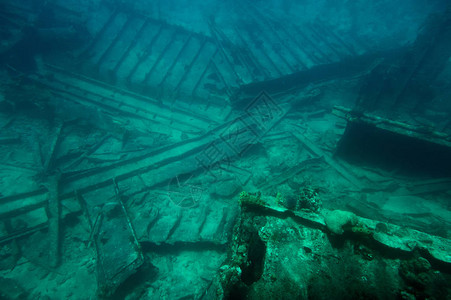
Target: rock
<point x="337" y="219"/>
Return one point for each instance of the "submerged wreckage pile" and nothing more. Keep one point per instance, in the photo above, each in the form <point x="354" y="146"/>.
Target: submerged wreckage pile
<point x="277" y="252"/>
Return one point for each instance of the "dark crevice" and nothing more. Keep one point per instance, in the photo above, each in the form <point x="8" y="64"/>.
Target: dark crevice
<point x="367" y="145"/>
<point x="252" y="269"/>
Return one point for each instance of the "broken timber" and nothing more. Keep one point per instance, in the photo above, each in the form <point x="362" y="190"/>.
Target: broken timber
<point x="418" y="132"/>
<point x="389" y="144"/>
<point x="54" y="220"/>
<point x="117" y="249"/>
<point x="119" y="56"/>
<point x="346" y="68"/>
<point x="50" y="159"/>
<point x="26" y="204"/>
<point x="98" y="95"/>
<point x="156" y="167"/>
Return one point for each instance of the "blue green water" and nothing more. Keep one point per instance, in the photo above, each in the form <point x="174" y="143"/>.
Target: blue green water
<point x="225" y="149"/>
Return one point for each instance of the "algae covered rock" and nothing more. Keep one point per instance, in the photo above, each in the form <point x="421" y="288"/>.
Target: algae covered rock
<point x="422" y="280"/>
<point x="252" y="199"/>
<point x="309" y="199"/>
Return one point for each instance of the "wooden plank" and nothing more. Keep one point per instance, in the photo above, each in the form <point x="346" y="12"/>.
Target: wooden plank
<point x="271" y="25"/>
<point x="131" y="46"/>
<point x="175" y="60"/>
<point x="22" y="233"/>
<point x="89" y="152"/>
<point x="429" y="186"/>
<point x="202" y="75"/>
<point x="324" y="42"/>
<point x="290" y="173"/>
<point x="316" y="49"/>
<point x="18" y="204"/>
<point x="402" y="128"/>
<point x="147" y="52"/>
<point x="327" y="31"/>
<point x="352" y="67"/>
<point x="190" y="65"/>
<point x="114" y="42"/>
<point x="167" y="162"/>
<point x="6" y="140"/>
<point x="252" y="36"/>
<point x="100" y="177"/>
<point x="126" y="215"/>
<point x="252" y="60"/>
<point x="99" y="34"/>
<point x="223" y="51"/>
<point x="54" y="212"/>
<point x="271" y="41"/>
<point x="301" y="52"/>
<point x="118" y="254"/>
<point x="221" y="77"/>
<point x="160" y="56"/>
<point x="236" y="53"/>
<point x="49" y="163"/>
<point x="88" y="91"/>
